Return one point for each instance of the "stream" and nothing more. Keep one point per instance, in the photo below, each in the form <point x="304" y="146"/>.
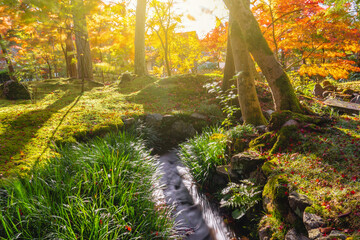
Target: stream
<point x="196" y="218"/>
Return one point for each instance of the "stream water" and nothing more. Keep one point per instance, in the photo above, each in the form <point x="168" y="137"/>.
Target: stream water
<point x="196" y="218"/>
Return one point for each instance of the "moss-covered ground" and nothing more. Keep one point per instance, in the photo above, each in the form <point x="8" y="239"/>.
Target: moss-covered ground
<point x="324" y="165"/>
<point x="60" y="112"/>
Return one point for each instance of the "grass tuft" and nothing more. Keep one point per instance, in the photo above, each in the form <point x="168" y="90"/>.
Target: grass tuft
<point x="100" y="190"/>
<point x="203" y="153"/>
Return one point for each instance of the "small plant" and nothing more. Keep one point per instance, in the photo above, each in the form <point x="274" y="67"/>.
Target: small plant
<point x="241" y="131"/>
<point x="203" y="153"/>
<point x="226" y="100"/>
<point x="240" y="197"/>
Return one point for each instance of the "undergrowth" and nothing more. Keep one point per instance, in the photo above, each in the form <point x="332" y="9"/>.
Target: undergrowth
<point x="100" y="190"/>
<point x="203" y="153"/>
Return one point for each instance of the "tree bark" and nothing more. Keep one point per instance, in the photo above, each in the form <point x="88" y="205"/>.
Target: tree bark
<point x="8" y="61"/>
<point x="140" y="64"/>
<point x="70" y="56"/>
<point x="248" y="100"/>
<point x="229" y="70"/>
<point x="49" y="68"/>
<point x="84" y="62"/>
<point x="282" y="91"/>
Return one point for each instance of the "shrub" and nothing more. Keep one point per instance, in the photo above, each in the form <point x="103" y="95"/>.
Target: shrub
<point x="203" y="153"/>
<point x="14" y="90"/>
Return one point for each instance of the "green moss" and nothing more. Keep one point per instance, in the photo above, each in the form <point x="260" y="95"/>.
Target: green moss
<point x="283" y="138"/>
<point x="268" y="167"/>
<point x="289" y="101"/>
<point x="264" y="141"/>
<point x="278" y="119"/>
<point x="275" y="195"/>
<point x="310" y="210"/>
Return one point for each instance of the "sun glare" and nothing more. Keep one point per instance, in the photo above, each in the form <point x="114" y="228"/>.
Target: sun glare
<point x="200" y="15"/>
<point x="197" y="15"/>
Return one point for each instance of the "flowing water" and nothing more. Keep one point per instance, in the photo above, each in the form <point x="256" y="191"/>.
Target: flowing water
<point x="196" y="217"/>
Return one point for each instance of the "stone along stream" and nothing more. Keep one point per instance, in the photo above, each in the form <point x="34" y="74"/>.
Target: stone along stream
<point x="196" y="218"/>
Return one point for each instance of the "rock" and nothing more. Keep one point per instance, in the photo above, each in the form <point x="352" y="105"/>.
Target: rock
<point x="337" y="235"/>
<point x="298" y="203"/>
<point x="314" y="233"/>
<point x="129" y="121"/>
<point x="348" y="91"/>
<point x="14" y="90"/>
<point x="268" y="167"/>
<point x="293" y="235"/>
<point x="275" y="195"/>
<point x="291" y="122"/>
<point x="344" y="97"/>
<point x="312" y="221"/>
<point x="330" y="88"/>
<point x="244" y="164"/>
<point x="264" y="233"/>
<point x="199" y="116"/>
<point x="326" y="94"/>
<point x="168" y="119"/>
<point x="326" y="83"/>
<point x="2" y="91"/>
<point x="126" y="77"/>
<point x="261" y="129"/>
<point x="318" y="91"/>
<point x="356" y="99"/>
<point x="4" y="76"/>
<point x="154" y="120"/>
<point x="183" y="128"/>
<point x="225" y="171"/>
<point x="267" y="114"/>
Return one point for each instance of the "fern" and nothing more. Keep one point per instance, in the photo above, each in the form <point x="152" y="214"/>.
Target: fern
<point x="240" y="197"/>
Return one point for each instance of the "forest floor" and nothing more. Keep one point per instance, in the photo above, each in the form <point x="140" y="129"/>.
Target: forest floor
<point x="323" y="164"/>
<point x="61" y="113"/>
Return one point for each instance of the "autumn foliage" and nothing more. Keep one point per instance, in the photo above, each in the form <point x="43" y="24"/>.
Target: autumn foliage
<point x="311" y="37"/>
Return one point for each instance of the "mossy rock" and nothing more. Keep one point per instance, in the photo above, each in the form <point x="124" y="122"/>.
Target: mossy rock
<point x="238" y="145"/>
<point x="278" y="119"/>
<point x="14" y="90"/>
<point x="284" y="137"/>
<point x="275" y="196"/>
<point x="2" y="91"/>
<point x="326" y="83"/>
<point x="265" y="141"/>
<point x="348" y="91"/>
<point x="276" y="141"/>
<point x="269" y="167"/>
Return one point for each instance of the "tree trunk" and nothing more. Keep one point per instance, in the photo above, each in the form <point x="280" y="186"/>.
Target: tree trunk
<point x="140" y="64"/>
<point x="282" y="91"/>
<point x="167" y="55"/>
<point x="70" y="56"/>
<point x="49" y="68"/>
<point x="8" y="61"/>
<point x="84" y="62"/>
<point x="229" y="70"/>
<point x="248" y="100"/>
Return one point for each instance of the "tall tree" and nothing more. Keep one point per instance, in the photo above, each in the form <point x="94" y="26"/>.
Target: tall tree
<point x="7" y="59"/>
<point x="282" y="91"/>
<point x="84" y="61"/>
<point x="248" y="99"/>
<point x="69" y="52"/>
<point x="229" y="70"/>
<point x="140" y="65"/>
<point x="163" y="23"/>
